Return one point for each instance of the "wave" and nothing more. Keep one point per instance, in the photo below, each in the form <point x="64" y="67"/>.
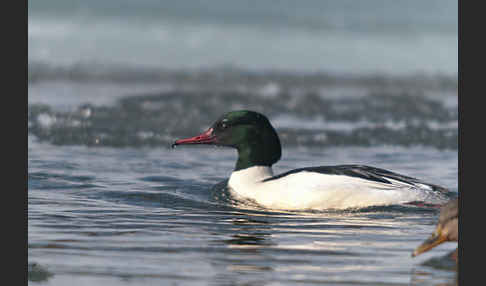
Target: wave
<point x="231" y="75"/>
<point x="302" y="117"/>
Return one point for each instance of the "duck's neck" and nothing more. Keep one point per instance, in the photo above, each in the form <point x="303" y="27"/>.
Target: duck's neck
<point x="257" y="155"/>
<point x="247" y="160"/>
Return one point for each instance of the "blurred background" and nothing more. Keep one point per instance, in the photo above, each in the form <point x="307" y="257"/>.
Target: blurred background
<point x="137" y="73"/>
<point x="350" y="37"/>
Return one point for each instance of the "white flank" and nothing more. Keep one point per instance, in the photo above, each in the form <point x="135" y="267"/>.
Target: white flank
<point x="311" y="190"/>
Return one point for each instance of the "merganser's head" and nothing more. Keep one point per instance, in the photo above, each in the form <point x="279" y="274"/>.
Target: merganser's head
<point x="446" y="230"/>
<point x="249" y="132"/>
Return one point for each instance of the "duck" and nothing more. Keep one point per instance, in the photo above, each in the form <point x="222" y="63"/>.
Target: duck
<point x="446" y="230"/>
<point x="309" y="188"/>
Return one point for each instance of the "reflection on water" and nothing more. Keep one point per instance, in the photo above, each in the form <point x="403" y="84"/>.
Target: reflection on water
<point x="445" y="262"/>
<point x="328" y="243"/>
<point x="425" y="276"/>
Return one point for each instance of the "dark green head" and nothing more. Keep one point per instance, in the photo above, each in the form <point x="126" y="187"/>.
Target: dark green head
<point x="249" y="132"/>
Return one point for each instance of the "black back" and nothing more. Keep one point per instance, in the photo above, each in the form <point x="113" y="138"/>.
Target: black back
<point x="363" y="172"/>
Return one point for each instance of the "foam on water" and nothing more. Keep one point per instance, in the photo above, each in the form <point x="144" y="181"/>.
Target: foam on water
<point x="185" y="103"/>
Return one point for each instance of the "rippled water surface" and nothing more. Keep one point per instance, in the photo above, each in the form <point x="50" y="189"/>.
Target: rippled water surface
<point x="123" y="216"/>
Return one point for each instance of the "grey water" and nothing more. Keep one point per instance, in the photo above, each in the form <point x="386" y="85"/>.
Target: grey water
<point x="111" y="84"/>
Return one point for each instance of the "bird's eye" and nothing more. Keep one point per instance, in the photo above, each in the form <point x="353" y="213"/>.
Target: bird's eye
<point x="223" y="124"/>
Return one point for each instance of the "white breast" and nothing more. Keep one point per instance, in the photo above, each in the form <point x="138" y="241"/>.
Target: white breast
<point x="310" y="190"/>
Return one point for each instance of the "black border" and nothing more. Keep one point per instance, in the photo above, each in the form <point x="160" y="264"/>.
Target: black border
<point x="15" y="140"/>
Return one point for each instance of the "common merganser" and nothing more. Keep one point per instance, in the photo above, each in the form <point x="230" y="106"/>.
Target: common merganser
<point x="318" y="188"/>
<point x="446" y="230"/>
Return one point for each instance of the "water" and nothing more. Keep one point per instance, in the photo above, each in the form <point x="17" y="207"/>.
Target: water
<point x="150" y="216"/>
<point x="343" y="36"/>
<point x="112" y="86"/>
